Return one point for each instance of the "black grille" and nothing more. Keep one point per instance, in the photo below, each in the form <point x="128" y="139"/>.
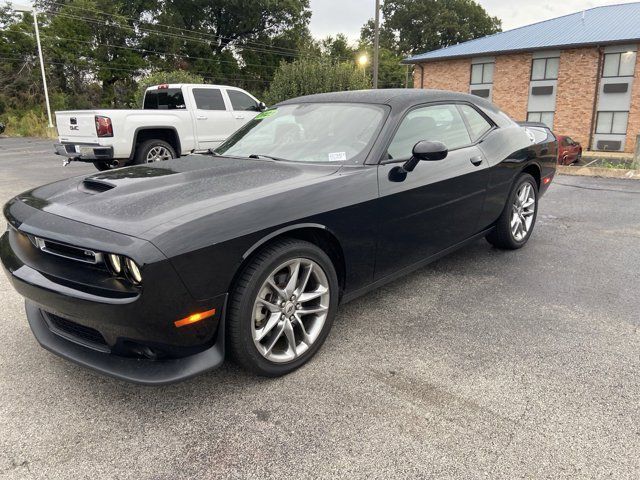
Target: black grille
<point x="66" y="251"/>
<point x="96" y="186"/>
<point x="79" y="332"/>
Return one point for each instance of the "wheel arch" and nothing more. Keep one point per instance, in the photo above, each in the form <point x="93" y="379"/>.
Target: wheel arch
<point x="315" y="233"/>
<point x="168" y="134"/>
<point x="535" y="171"/>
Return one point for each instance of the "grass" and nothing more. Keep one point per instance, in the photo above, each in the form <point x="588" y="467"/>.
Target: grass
<point x="28" y="124"/>
<point x="607" y="164"/>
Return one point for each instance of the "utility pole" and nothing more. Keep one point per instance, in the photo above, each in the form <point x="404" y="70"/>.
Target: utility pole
<point x="44" y="77"/>
<point x="376" y="45"/>
<point x="25" y="9"/>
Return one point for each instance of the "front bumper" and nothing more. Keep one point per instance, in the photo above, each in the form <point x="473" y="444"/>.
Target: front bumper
<point x="125" y="332"/>
<point x="84" y="152"/>
<point x="142" y="371"/>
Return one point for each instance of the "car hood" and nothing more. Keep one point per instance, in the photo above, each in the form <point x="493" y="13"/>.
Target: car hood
<point x="133" y="200"/>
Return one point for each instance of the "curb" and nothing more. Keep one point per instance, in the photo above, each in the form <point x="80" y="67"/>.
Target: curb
<point x="599" y="172"/>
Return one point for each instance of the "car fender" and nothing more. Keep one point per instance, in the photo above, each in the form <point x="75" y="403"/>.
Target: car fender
<point x="281" y="231"/>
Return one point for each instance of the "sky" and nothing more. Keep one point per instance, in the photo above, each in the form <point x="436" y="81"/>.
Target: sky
<point x="330" y="17"/>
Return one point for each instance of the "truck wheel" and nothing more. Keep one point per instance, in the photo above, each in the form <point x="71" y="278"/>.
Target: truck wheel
<point x="102" y="166"/>
<point x="153" y="150"/>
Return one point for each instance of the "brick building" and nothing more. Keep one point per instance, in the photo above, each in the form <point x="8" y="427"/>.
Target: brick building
<point x="580" y="74"/>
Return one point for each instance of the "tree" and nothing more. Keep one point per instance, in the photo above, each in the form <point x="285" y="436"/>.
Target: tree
<point x="227" y="41"/>
<point x="157" y="78"/>
<point x="307" y="76"/>
<point x="337" y="48"/>
<point x="417" y="26"/>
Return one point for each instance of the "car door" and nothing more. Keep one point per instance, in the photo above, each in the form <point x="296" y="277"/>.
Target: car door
<point x="214" y="122"/>
<point x="244" y="106"/>
<point x="438" y="204"/>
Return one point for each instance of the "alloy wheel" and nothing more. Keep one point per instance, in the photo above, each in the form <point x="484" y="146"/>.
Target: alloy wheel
<point x="158" y="154"/>
<point x="290" y="310"/>
<point x="522" y="212"/>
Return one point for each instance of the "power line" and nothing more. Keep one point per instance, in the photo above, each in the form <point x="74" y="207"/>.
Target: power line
<point x="204" y="34"/>
<point x="170" y="35"/>
<point x="154" y="52"/>
<point x="205" y="75"/>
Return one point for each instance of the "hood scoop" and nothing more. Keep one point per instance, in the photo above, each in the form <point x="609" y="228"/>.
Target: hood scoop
<point x="93" y="186"/>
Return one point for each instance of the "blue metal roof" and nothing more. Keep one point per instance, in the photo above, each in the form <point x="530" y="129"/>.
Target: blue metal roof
<point x="596" y="26"/>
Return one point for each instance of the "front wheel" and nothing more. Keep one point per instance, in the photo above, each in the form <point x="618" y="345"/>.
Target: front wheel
<point x="282" y="308"/>
<point x="518" y="218"/>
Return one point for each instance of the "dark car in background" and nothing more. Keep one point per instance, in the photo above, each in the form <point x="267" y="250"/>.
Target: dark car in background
<point x="569" y="151"/>
<point x="2" y="128"/>
<point x="152" y="273"/>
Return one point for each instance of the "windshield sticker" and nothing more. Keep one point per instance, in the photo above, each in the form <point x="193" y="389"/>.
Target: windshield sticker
<point x="337" y="156"/>
<point x="266" y="113"/>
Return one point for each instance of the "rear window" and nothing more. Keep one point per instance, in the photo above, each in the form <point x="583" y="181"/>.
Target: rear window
<point x="164" y="99"/>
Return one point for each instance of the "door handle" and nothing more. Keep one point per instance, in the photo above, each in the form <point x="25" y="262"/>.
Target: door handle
<point x="201" y="117"/>
<point x="476" y="160"/>
<point x="240" y="117"/>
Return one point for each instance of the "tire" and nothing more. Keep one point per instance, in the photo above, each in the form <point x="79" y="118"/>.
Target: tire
<point x="102" y="166"/>
<point x="144" y="153"/>
<point x="578" y="159"/>
<point x="504" y="236"/>
<point x="247" y="311"/>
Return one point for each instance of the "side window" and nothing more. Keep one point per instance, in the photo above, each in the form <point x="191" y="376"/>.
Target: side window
<point x="208" y="99"/>
<point x="242" y="101"/>
<point x="478" y="125"/>
<point x="442" y="123"/>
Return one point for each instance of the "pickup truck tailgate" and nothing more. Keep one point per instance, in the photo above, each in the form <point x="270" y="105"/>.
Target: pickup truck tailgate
<point x="77" y="126"/>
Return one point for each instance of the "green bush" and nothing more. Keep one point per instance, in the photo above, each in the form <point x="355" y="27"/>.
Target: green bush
<point x="28" y="124"/>
<point x="308" y="76"/>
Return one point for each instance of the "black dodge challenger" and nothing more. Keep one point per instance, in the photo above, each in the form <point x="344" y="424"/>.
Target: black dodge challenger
<point x="153" y="273"/>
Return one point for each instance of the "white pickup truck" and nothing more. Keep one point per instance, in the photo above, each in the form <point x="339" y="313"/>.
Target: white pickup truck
<point x="176" y="119"/>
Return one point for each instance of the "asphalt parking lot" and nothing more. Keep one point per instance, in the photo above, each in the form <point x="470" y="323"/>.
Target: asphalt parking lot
<point x="485" y="364"/>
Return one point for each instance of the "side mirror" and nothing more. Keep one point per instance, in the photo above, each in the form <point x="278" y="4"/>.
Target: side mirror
<point x="262" y="106"/>
<point x="423" y="150"/>
<point x="426" y="151"/>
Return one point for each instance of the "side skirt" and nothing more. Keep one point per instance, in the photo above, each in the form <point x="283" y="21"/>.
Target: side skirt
<point x="349" y="296"/>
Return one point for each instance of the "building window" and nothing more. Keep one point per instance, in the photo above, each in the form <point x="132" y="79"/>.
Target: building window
<point x="542" y="117"/>
<point x="545" y="68"/>
<point x="619" y="64"/>
<point x="482" y="73"/>
<point x="614" y="123"/>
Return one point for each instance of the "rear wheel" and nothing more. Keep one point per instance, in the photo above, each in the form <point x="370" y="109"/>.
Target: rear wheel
<point x="102" y="166"/>
<point x="518" y="218"/>
<point x="153" y="150"/>
<point x="282" y="308"/>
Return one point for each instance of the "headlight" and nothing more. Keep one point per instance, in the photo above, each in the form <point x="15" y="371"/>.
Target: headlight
<point x="115" y="263"/>
<point x="134" y="271"/>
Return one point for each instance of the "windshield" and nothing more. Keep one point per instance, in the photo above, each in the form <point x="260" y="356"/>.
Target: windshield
<point x="308" y="132"/>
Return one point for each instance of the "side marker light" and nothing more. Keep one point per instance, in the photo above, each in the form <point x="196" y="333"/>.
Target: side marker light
<point x="196" y="317"/>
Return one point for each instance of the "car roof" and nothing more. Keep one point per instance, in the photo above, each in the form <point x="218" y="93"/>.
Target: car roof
<point x="394" y="97"/>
